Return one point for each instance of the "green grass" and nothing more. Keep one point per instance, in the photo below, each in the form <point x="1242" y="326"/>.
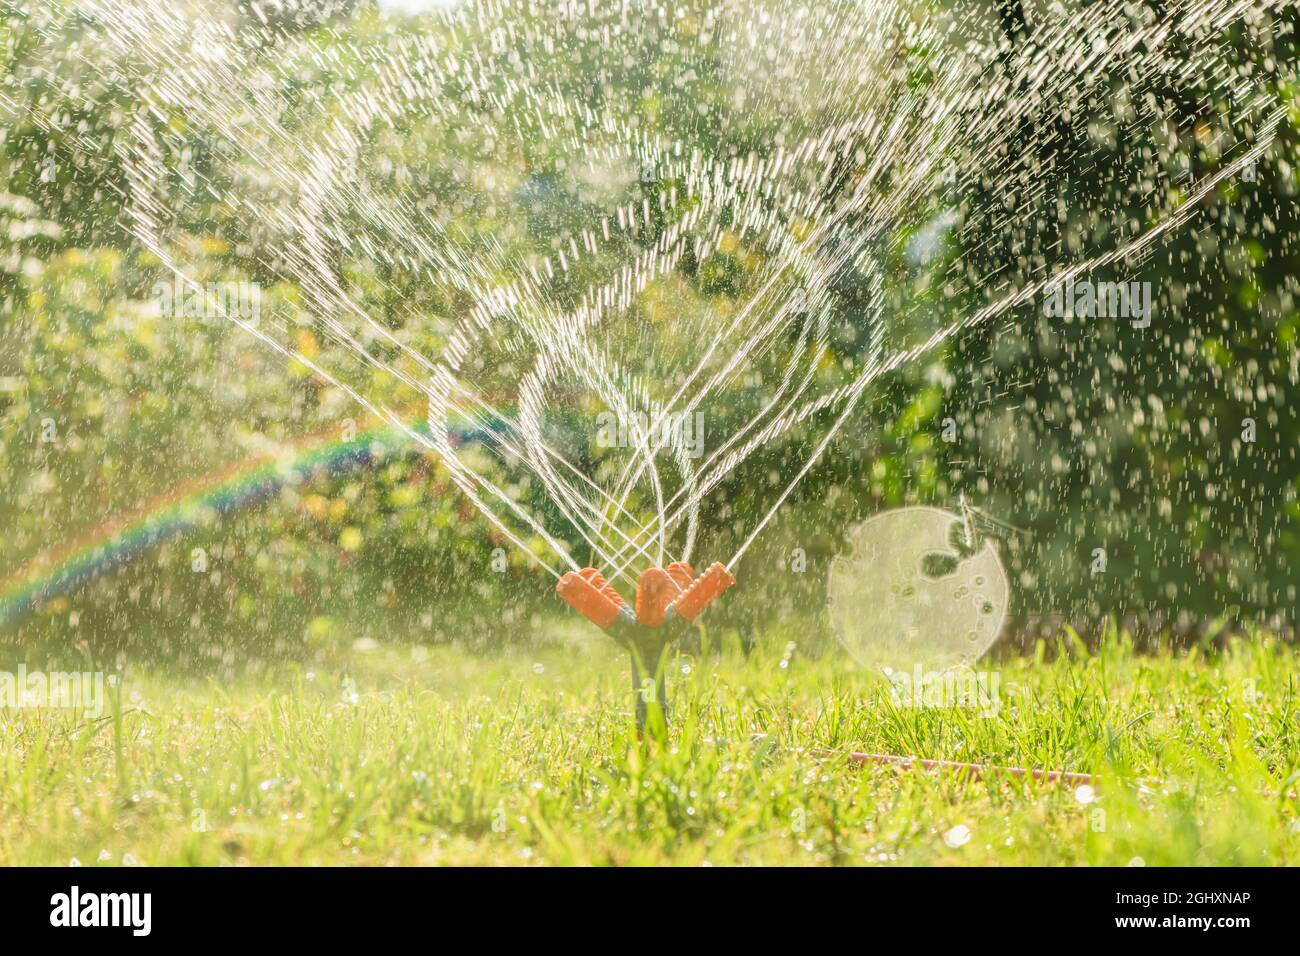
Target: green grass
<point x="433" y="755"/>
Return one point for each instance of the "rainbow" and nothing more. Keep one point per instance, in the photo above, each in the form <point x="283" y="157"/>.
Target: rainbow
<point x="183" y="509"/>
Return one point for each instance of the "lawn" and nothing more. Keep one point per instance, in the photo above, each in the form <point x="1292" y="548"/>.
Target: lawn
<point x="432" y="754"/>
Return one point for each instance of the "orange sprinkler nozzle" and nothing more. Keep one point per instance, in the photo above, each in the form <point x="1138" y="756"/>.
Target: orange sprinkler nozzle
<point x="597" y="581"/>
<point x="703" y="592"/>
<point x="655" y="590"/>
<point x="588" y="594"/>
<point x="682" y="575"/>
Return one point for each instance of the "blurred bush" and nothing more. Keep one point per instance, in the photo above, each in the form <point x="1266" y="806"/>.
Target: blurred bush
<point x="1081" y="441"/>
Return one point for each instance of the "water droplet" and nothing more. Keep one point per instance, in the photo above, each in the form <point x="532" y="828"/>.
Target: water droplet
<point x="958" y="836"/>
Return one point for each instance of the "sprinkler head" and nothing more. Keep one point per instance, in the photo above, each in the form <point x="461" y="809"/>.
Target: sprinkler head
<point x="588" y="594"/>
<point x="662" y="595"/>
<point x="655" y="590"/>
<point x="707" y="587"/>
<point x="667" y="602"/>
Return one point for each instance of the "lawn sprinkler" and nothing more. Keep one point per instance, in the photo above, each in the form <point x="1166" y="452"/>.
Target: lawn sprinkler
<point x="668" y="600"/>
